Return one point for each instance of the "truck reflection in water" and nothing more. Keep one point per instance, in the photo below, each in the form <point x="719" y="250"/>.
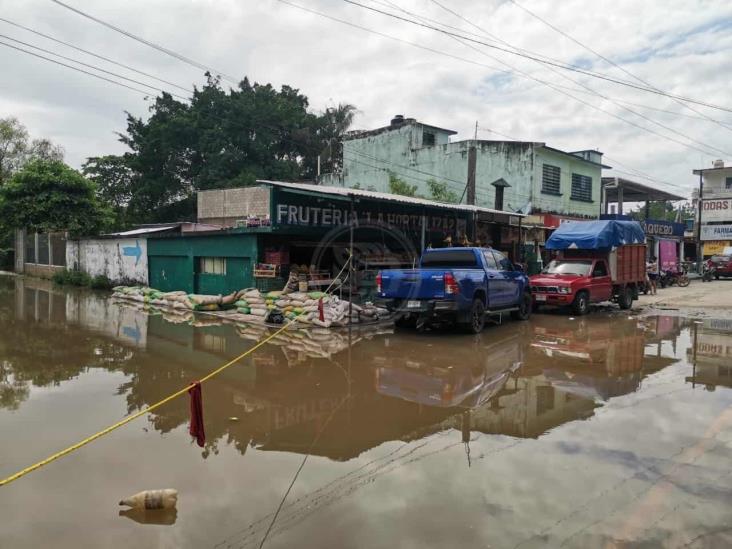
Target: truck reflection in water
<point x="348" y="393"/>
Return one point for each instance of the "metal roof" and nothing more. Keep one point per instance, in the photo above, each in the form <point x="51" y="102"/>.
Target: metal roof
<point x="374" y="195"/>
<point x="635" y="192"/>
<point x="144" y="230"/>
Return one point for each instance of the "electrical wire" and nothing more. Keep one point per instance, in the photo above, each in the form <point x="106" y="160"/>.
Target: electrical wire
<point x="91" y="66"/>
<point x="150" y="44"/>
<point x="143" y="92"/>
<point x="593" y="92"/>
<point x="107" y="59"/>
<point x="614" y="64"/>
<point x="564" y="66"/>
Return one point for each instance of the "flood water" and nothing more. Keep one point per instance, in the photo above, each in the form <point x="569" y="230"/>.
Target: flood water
<point x="607" y="430"/>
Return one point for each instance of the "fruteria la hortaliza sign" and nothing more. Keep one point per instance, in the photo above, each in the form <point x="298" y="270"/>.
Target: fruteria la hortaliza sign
<point x="716" y="232"/>
<point x="716" y="209"/>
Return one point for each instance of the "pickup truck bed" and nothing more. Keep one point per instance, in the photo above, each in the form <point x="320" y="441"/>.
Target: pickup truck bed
<point x="456" y="285"/>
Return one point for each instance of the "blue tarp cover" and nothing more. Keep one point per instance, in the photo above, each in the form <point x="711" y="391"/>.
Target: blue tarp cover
<point x="595" y="235"/>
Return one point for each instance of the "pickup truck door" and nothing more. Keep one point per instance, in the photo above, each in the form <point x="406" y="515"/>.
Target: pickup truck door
<point x="601" y="285"/>
<point x="510" y="285"/>
<point x="494" y="280"/>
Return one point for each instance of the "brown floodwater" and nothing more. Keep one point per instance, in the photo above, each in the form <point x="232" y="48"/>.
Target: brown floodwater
<point x="609" y="430"/>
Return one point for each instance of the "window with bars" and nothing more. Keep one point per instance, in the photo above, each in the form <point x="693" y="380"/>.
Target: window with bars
<point x="213" y="265"/>
<point x="581" y="188"/>
<point x="550" y="179"/>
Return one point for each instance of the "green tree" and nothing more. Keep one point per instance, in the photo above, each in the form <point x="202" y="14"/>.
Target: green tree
<point x="221" y="139"/>
<point x="399" y="186"/>
<point x="664" y="211"/>
<point x="47" y="195"/>
<point x="333" y="125"/>
<point x="441" y="193"/>
<point x="16" y="148"/>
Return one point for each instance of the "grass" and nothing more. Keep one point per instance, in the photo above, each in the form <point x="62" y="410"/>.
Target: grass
<point x="78" y="278"/>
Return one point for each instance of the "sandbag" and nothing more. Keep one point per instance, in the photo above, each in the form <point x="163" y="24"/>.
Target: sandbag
<point x="252" y="293"/>
<point x="204" y="299"/>
<point x="206" y="307"/>
<point x="229" y="299"/>
<point x="258" y="312"/>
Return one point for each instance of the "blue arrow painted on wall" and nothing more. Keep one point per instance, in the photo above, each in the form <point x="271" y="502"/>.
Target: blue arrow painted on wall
<point x="133" y="251"/>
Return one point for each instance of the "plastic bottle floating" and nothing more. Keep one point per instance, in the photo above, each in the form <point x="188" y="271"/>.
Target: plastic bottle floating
<point x="152" y="499"/>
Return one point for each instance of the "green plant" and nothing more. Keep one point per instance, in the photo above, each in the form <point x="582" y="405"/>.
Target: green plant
<point x="441" y="193"/>
<point x="401" y="187"/>
<point x="72" y="278"/>
<point x="7" y="258"/>
<point x="101" y="282"/>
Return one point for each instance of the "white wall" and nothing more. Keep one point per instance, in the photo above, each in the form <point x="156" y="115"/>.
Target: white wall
<point x="122" y="259"/>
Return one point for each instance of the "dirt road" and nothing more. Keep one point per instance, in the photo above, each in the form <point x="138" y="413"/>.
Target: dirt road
<point x="698" y="296"/>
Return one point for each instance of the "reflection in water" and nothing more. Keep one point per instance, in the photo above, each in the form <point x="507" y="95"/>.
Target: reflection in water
<point x="163" y="517"/>
<point x="340" y="395"/>
<point x="519" y="380"/>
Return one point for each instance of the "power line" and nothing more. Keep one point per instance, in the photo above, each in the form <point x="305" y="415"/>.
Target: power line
<point x="91" y="66"/>
<point x="143" y="92"/>
<point x="564" y="66"/>
<point x="614" y="64"/>
<point x="589" y="90"/>
<point x="153" y="45"/>
<point x="108" y="60"/>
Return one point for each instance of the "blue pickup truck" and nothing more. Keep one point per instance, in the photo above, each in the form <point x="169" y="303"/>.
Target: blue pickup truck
<point x="456" y="285"/>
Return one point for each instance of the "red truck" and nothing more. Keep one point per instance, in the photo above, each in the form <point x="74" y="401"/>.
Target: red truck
<point x="596" y="261"/>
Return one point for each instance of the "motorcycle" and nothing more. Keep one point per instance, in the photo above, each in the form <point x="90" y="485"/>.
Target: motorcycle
<point x="709" y="270"/>
<point x="668" y="277"/>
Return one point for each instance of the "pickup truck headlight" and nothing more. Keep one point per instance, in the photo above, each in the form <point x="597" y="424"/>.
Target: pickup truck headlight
<point x="564" y="289"/>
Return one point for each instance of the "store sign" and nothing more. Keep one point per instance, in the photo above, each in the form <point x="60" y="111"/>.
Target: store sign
<point x="718" y="209"/>
<point x="553" y="221"/>
<point x="715" y="247"/>
<point x="653" y="227"/>
<point x="716" y="232"/>
<point x="328" y="217"/>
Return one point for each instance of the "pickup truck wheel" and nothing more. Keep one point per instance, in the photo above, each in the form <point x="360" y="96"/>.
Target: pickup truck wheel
<point x="625" y="299"/>
<point x="581" y="304"/>
<point x="476" y="321"/>
<point x="524" y="308"/>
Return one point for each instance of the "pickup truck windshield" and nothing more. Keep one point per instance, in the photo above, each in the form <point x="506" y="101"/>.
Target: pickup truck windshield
<point x="452" y="258"/>
<point x="581" y="268"/>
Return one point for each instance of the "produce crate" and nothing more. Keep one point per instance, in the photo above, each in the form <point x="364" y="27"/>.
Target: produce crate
<point x="270" y="284"/>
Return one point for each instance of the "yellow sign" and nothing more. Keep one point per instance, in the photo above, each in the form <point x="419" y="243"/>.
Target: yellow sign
<point x="715" y="247"/>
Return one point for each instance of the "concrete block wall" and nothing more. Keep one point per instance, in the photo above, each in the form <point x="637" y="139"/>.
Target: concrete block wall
<point x="227" y="206"/>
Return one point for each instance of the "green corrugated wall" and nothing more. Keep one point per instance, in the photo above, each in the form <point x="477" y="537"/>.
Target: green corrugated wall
<point x="173" y="262"/>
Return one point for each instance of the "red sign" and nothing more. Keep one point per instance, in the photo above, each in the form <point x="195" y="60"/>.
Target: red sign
<point x="553" y="221"/>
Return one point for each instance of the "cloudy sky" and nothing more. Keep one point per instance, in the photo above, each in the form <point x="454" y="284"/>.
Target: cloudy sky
<point x="679" y="46"/>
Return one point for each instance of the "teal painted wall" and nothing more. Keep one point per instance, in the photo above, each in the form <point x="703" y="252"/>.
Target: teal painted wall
<point x="369" y="160"/>
<point x="174" y="263"/>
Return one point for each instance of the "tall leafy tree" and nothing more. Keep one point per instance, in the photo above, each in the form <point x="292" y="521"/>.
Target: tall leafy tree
<point x="48" y="195"/>
<point x="222" y="138"/>
<point x="16" y="148"/>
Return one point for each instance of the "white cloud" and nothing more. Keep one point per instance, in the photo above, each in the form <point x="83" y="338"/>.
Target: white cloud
<point x="679" y="46"/>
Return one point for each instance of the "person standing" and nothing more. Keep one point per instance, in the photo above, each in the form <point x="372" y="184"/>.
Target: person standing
<point x="652" y="273"/>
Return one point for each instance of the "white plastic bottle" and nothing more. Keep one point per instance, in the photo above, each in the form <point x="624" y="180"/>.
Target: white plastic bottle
<point x="152" y="499"/>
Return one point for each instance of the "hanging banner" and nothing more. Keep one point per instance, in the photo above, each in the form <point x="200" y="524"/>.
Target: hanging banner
<point x="667" y="255"/>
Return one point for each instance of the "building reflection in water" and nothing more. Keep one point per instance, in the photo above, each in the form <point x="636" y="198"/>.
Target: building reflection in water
<point x="519" y="380"/>
<point x="711" y="353"/>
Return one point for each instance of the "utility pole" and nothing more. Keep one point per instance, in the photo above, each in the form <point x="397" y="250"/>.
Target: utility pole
<point x="699" y="248"/>
<point x="471" y="174"/>
<point x="476" y="131"/>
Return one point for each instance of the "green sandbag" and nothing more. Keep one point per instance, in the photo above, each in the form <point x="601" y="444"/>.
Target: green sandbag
<point x="242" y="303"/>
<point x="206" y="307"/>
<point x="244" y="310"/>
<point x="316" y="295"/>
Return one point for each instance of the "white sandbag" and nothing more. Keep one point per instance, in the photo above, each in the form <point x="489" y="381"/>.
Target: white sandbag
<point x="258" y="312"/>
<point x="325" y="324"/>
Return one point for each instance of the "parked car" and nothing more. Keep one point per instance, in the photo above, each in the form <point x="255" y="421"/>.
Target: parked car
<point x="456" y="285"/>
<point x="722" y="265"/>
<point x="597" y="261"/>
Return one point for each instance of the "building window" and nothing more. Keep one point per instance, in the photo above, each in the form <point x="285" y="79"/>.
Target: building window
<point x="30" y="247"/>
<point x="728" y="183"/>
<point x="428" y="139"/>
<point x="581" y="188"/>
<point x="213" y="265"/>
<point x="58" y="249"/>
<point x="43" y="257"/>
<point x="550" y="179"/>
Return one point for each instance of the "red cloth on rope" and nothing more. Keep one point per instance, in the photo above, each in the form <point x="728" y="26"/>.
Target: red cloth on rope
<point x="321" y="313"/>
<point x="196" y="426"/>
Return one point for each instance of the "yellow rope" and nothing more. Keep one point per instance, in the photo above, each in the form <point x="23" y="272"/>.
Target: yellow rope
<point x="152" y="407"/>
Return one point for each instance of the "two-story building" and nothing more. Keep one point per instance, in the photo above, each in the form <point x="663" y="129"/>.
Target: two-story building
<point x="715" y="207"/>
<point x="519" y="176"/>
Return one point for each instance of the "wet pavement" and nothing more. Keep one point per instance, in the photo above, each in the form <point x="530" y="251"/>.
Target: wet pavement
<point x="606" y="430"/>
